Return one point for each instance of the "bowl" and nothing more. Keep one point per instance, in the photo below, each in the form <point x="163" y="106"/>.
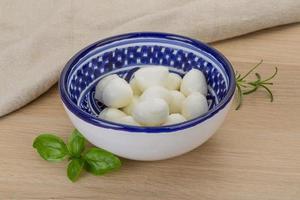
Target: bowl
<point x="123" y="55"/>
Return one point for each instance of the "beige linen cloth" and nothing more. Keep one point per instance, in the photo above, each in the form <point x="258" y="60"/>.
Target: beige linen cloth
<point x="37" y="37"/>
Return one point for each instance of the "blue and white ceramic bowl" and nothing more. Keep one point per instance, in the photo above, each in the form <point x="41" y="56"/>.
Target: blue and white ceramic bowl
<point x="123" y="55"/>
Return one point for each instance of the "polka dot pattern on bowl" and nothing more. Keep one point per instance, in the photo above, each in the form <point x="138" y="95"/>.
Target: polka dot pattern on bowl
<point x="125" y="57"/>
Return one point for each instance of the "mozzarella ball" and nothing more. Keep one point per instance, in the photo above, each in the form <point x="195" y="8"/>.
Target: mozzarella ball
<point x="173" y="81"/>
<point x="117" y="93"/>
<point x="128" y="120"/>
<point x="128" y="109"/>
<point x="151" y="112"/>
<point x="101" y="84"/>
<point x="176" y="101"/>
<point x="157" y="92"/>
<point x="135" y="89"/>
<point x="194" y="105"/>
<point x="111" y="114"/>
<point x="151" y="76"/>
<point x="194" y="81"/>
<point x="174" y="119"/>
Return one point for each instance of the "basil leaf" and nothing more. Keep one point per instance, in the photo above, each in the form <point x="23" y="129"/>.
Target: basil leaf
<point x="50" y="147"/>
<point x="75" y="168"/>
<point x="76" y="144"/>
<point x="99" y="161"/>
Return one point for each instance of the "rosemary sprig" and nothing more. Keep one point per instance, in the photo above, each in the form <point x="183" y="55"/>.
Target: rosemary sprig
<point x="245" y="87"/>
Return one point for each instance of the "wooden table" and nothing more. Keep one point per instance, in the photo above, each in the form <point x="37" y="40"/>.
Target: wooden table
<point x="254" y="155"/>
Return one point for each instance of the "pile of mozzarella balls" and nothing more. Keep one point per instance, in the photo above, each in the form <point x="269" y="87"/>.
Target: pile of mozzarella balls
<point x="153" y="97"/>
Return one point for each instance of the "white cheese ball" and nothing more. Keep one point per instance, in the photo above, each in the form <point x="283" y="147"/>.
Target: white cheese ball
<point x="117" y="93"/>
<point x="128" y="120"/>
<point x="174" y="119"/>
<point x="151" y="76"/>
<point x="135" y="89"/>
<point x="151" y="112"/>
<point x="193" y="81"/>
<point x="111" y="114"/>
<point x="157" y="92"/>
<point x="173" y="81"/>
<point x="128" y="109"/>
<point x="176" y="101"/>
<point x="194" y="105"/>
<point x="101" y="84"/>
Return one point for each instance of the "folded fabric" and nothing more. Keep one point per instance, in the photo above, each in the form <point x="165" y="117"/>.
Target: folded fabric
<point x="38" y="37"/>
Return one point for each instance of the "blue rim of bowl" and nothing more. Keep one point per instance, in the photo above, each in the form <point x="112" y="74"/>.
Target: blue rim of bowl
<point x="159" y="129"/>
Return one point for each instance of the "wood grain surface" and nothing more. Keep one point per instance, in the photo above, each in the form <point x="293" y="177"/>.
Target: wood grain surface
<point x="254" y="155"/>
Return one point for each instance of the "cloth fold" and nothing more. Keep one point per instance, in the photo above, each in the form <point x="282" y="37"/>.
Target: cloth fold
<point x="38" y="37"/>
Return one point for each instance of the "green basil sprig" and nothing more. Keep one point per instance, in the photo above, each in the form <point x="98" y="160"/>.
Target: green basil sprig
<point x="94" y="160"/>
